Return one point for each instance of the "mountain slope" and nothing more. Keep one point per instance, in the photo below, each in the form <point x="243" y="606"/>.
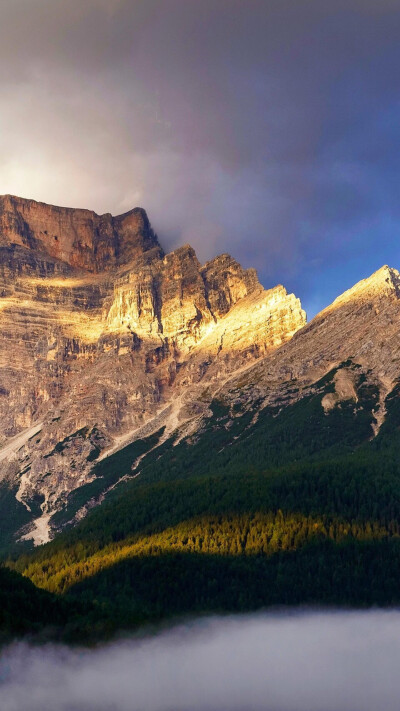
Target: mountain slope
<point x="189" y="442"/>
<point x="111" y="340"/>
<point x="286" y="492"/>
<point x="25" y="610"/>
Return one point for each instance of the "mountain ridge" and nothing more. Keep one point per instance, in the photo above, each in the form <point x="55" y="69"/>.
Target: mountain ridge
<point x="78" y="333"/>
<point x="189" y="443"/>
<point x="104" y="359"/>
<point x="80" y="238"/>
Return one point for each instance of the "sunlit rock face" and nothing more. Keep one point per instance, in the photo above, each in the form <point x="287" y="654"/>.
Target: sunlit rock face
<point x="177" y="299"/>
<point x="360" y="327"/>
<point x="226" y="283"/>
<point x="104" y="337"/>
<point x="105" y="340"/>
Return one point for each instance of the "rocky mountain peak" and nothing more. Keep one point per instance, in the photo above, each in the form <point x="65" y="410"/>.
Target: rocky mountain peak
<point x="384" y="282"/>
<point x="356" y="338"/>
<point x="175" y="298"/>
<point x="111" y="337"/>
<point x="78" y="238"/>
<point x="115" y="343"/>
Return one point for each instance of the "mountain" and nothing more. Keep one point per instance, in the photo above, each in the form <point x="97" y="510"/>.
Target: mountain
<point x="110" y="339"/>
<point x="191" y="444"/>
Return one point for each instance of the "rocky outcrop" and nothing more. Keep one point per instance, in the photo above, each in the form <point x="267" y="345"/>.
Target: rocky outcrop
<point x="103" y="337"/>
<point x="79" y="238"/>
<point x="107" y="340"/>
<point x="226" y="282"/>
<point x="362" y="325"/>
<point x="175" y="298"/>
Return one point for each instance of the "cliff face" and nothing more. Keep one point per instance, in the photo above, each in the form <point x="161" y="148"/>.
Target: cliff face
<point x="79" y="238"/>
<point x="175" y="298"/>
<point x="104" y="338"/>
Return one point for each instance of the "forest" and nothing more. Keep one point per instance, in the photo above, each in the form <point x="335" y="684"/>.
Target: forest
<point x="301" y="508"/>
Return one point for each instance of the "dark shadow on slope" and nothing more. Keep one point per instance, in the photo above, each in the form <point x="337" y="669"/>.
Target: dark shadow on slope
<point x="107" y="473"/>
<point x="281" y="435"/>
<point x="152" y="588"/>
<point x="361" y="487"/>
<point x="25" y="609"/>
<point x="13" y="516"/>
<point x="284" y="436"/>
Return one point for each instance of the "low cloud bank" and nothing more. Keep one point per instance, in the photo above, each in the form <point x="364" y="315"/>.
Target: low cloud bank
<point x="305" y="661"/>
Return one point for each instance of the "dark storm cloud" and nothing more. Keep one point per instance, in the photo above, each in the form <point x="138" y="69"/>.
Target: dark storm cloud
<point x="267" y="128"/>
<point x="296" y="662"/>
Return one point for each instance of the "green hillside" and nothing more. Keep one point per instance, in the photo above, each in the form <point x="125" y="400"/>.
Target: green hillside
<point x="296" y="507"/>
<point x="25" y="609"/>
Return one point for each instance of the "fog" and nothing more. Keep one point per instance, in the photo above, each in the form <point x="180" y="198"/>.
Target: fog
<point x="304" y="661"/>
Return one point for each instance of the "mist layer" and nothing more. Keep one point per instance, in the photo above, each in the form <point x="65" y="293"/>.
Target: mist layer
<point x="305" y="661"/>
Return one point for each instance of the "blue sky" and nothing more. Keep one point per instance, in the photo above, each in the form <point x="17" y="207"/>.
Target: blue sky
<point x="269" y="129"/>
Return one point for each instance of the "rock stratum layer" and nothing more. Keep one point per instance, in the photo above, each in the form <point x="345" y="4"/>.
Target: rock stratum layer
<point x="79" y="239"/>
<point x="105" y="339"/>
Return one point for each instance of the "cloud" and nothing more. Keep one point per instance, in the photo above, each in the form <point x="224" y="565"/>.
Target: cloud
<point x="301" y="661"/>
<point x="267" y="129"/>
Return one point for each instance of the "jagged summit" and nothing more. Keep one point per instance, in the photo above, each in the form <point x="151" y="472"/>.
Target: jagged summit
<point x="109" y="335"/>
<point x="78" y="238"/>
<point x="384" y="281"/>
<point x="112" y="340"/>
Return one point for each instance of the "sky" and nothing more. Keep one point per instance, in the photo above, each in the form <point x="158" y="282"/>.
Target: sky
<point x="269" y="129"/>
<point x="302" y="661"/>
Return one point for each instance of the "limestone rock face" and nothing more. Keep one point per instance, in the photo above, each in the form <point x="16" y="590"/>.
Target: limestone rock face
<point x="362" y="325"/>
<point x="79" y="238"/>
<point x="226" y="283"/>
<point x="104" y="338"/>
<point x="177" y="299"/>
